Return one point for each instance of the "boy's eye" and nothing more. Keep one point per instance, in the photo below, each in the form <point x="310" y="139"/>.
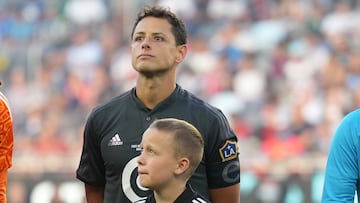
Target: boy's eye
<point x="150" y="151"/>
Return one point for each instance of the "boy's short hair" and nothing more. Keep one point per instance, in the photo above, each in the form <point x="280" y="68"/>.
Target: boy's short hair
<point x="177" y="25"/>
<point x="187" y="140"/>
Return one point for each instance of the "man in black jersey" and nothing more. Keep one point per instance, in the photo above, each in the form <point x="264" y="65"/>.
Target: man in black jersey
<point x="113" y="130"/>
<point x="171" y="151"/>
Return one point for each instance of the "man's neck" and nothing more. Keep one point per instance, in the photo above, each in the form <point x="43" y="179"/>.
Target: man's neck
<point x="152" y="91"/>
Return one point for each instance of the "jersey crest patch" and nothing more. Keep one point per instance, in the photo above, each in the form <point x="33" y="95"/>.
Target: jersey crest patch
<point x="228" y="151"/>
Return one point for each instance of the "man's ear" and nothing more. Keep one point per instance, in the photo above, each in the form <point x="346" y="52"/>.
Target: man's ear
<point x="183" y="165"/>
<point x="181" y="53"/>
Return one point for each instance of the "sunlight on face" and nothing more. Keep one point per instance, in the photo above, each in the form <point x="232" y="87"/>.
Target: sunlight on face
<point x="153" y="46"/>
<point x="157" y="162"/>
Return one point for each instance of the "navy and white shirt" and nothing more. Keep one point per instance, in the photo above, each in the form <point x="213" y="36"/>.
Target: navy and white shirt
<point x="113" y="134"/>
<point x="188" y="196"/>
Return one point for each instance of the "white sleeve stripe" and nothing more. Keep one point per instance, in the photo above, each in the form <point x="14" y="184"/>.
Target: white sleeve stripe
<point x="198" y="200"/>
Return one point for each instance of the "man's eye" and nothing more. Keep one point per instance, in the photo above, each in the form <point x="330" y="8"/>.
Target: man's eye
<point x="158" y="38"/>
<point x="138" y="39"/>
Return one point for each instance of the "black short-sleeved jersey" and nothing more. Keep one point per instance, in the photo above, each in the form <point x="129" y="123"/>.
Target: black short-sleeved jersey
<point x="188" y="196"/>
<point x="113" y="134"/>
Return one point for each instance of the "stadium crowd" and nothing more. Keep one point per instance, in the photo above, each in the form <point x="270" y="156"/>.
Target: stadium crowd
<point x="284" y="72"/>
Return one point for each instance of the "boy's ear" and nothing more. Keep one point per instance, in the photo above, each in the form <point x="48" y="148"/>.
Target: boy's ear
<point x="183" y="165"/>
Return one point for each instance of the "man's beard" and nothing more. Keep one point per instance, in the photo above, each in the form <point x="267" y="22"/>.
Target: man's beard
<point x="153" y="73"/>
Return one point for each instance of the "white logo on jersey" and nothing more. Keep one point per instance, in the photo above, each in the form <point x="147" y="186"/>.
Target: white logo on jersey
<point x="198" y="200"/>
<point x="115" y="141"/>
<point x="126" y="185"/>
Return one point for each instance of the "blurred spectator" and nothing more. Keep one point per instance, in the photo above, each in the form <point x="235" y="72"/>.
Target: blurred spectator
<point x="283" y="72"/>
<point x="85" y="11"/>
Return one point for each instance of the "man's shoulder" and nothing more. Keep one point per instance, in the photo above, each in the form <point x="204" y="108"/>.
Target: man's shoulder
<point x="6" y="134"/>
<point x="3" y="101"/>
<point x="5" y="112"/>
<point x="350" y="123"/>
<point x="196" y="101"/>
<point x="120" y="101"/>
<point x="353" y="115"/>
<point x="124" y="97"/>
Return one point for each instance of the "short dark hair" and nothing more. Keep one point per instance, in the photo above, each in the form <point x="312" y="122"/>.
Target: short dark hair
<point x="187" y="140"/>
<point x="177" y="25"/>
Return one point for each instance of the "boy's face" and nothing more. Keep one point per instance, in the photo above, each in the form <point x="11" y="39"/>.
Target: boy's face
<point x="153" y="46"/>
<point x="157" y="162"/>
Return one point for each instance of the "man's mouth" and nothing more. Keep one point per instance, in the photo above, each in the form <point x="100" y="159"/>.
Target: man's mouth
<point x="145" y="56"/>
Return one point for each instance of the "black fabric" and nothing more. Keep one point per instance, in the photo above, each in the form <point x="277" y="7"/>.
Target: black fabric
<point x="188" y="196"/>
<point x="114" y="130"/>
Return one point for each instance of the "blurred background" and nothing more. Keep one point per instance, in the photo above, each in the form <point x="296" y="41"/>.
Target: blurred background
<point x="284" y="72"/>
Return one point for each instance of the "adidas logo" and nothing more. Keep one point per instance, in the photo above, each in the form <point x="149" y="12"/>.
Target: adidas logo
<point x="115" y="141"/>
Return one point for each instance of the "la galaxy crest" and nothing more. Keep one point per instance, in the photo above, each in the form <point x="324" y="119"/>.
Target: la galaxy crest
<point x="228" y="151"/>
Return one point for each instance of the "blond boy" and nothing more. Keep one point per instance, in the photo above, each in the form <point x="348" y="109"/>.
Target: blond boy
<point x="172" y="150"/>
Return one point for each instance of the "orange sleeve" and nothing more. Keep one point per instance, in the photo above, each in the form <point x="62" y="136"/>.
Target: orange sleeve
<point x="6" y="134"/>
<point x="3" y="182"/>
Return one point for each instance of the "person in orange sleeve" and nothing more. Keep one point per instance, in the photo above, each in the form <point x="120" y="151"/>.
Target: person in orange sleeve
<point x="6" y="144"/>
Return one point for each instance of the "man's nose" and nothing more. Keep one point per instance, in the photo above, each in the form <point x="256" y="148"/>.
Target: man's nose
<point x="145" y="43"/>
